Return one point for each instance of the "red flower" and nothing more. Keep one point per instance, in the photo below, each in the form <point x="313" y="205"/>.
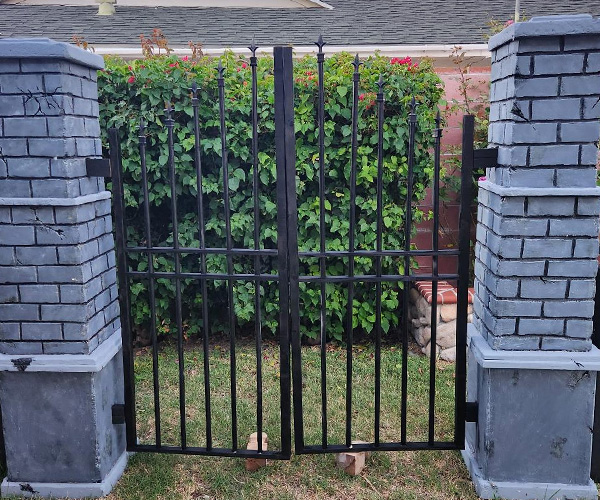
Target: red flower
<point x="131" y="79"/>
<point x="129" y="68"/>
<point x="509" y="22"/>
<point x="245" y="83"/>
<point x="244" y="65"/>
<point x="404" y="61"/>
<point x="185" y="58"/>
<point x="361" y="97"/>
<point x="174" y="65"/>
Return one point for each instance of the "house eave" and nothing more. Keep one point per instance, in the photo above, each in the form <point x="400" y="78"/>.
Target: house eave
<point x="438" y="52"/>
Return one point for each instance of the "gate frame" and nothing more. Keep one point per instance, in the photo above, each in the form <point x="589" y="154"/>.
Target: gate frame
<point x="288" y="283"/>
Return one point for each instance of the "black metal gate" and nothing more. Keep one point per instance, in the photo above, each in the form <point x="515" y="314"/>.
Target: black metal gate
<point x="290" y="273"/>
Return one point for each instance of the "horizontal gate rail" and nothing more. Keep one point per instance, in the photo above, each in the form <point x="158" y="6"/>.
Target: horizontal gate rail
<point x="302" y="253"/>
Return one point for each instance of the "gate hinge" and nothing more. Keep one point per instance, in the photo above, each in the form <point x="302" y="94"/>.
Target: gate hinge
<point x="98" y="167"/>
<point x="118" y="414"/>
<point x="472" y="411"/>
<point x="484" y="158"/>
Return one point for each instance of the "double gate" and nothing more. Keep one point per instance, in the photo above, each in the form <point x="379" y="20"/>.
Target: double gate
<point x="285" y="269"/>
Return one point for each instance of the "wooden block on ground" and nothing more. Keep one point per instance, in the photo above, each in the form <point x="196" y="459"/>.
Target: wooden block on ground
<point x="352" y="463"/>
<point x="253" y="464"/>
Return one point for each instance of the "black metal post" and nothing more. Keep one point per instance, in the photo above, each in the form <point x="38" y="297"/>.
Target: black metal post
<point x="434" y="271"/>
<point x="170" y="124"/>
<point x="351" y="235"/>
<point x="412" y="128"/>
<point x="322" y="236"/>
<point x="287" y="222"/>
<point x="595" y="468"/>
<point x="462" y="303"/>
<point x="379" y="248"/>
<point x="120" y="245"/>
<point x="151" y="285"/>
<point x="202" y="242"/>
<point x="229" y="245"/>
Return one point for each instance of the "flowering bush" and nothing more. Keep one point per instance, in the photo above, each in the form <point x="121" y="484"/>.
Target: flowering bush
<point x="129" y="91"/>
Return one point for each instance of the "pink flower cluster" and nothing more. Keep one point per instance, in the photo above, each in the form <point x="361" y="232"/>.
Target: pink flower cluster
<point x="404" y="61"/>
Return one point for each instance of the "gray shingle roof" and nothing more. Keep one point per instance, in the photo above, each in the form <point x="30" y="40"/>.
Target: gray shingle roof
<point x="351" y="22"/>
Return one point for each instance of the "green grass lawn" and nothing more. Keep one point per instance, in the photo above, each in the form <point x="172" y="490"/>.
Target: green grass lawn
<point x="394" y="475"/>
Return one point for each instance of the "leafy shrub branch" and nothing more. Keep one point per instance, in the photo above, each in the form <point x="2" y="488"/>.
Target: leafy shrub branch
<point x="132" y="90"/>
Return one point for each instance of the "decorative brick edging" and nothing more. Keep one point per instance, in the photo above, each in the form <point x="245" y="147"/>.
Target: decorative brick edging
<point x="421" y="298"/>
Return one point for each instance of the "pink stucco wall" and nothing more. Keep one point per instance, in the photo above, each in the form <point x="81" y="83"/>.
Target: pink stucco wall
<point x="452" y="136"/>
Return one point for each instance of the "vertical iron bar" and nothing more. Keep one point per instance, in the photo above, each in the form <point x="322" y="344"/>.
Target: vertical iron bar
<point x="595" y="465"/>
<point x="287" y="221"/>
<point x="257" y="305"/>
<point x="202" y="242"/>
<point x="349" y="328"/>
<point x="322" y="264"/>
<point x="466" y="198"/>
<point x="229" y="245"/>
<point x="434" y="269"/>
<point x="170" y="123"/>
<point x="151" y="288"/>
<point x="121" y="244"/>
<point x="379" y="247"/>
<point x="412" y="124"/>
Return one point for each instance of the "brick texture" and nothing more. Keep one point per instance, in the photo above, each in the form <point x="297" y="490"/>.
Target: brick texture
<point x="536" y="248"/>
<point x="57" y="280"/>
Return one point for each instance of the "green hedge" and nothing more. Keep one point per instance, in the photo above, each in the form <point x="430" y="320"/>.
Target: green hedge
<point x="130" y="90"/>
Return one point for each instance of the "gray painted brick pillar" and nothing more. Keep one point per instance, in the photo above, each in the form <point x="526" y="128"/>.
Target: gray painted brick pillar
<point x="532" y="366"/>
<point x="60" y="341"/>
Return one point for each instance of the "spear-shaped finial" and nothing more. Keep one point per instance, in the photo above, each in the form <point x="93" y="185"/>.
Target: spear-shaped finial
<point x="194" y="89"/>
<point x="142" y="129"/>
<point x="220" y="69"/>
<point x="320" y="43"/>
<point x="253" y="47"/>
<point x="413" y="110"/>
<point x="169" y="111"/>
<point x="356" y="63"/>
<point x="380" y="83"/>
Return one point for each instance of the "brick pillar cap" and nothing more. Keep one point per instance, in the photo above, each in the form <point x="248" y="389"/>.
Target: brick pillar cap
<point x="580" y="24"/>
<point x="45" y="48"/>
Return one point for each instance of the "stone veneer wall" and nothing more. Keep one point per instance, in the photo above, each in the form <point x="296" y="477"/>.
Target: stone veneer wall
<point x="420" y="314"/>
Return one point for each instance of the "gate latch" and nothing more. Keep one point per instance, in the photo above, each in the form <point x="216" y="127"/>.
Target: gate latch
<point x="118" y="414"/>
<point x="484" y="158"/>
<point x="472" y="411"/>
<point x="97" y="167"/>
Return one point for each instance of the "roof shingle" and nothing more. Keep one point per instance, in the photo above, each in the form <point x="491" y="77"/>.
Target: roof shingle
<point x="351" y="22"/>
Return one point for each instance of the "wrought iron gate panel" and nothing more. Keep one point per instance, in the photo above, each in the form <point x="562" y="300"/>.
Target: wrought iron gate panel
<point x="350" y="279"/>
<point x="290" y="275"/>
<point x="285" y="216"/>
